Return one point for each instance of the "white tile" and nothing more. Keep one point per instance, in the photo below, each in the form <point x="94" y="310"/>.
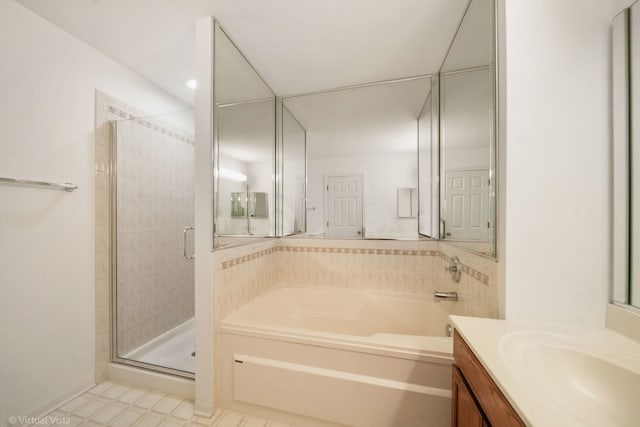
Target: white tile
<point x="229" y="419"/>
<point x="254" y="422"/>
<point x="131" y="396"/>
<point x="149" y="420"/>
<point x="115" y="391"/>
<point x="206" y="421"/>
<point x="74" y="421"/>
<point x="127" y="418"/>
<point x="184" y="411"/>
<point x="148" y="400"/>
<point x="90" y="424"/>
<point x="277" y="424"/>
<point x="75" y="403"/>
<point x="90" y="408"/>
<point x="167" y="405"/>
<point x="172" y="422"/>
<point x="108" y="413"/>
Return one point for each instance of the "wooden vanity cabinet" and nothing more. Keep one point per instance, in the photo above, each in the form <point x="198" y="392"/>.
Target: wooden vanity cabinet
<point x="476" y="399"/>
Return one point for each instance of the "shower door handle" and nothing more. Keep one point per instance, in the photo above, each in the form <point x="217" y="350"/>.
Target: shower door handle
<point x="184" y="242"/>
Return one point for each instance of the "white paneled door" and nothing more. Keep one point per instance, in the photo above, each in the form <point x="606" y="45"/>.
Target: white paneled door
<point x="343" y="206"/>
<point x="467" y="205"/>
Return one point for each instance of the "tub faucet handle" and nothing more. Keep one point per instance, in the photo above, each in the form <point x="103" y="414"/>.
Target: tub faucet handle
<point x="454" y="268"/>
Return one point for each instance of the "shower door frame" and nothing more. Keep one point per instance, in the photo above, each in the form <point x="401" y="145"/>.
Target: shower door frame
<point x="113" y="202"/>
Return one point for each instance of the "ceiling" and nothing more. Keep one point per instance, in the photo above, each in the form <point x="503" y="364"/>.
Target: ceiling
<point x="297" y="46"/>
<point x="363" y="121"/>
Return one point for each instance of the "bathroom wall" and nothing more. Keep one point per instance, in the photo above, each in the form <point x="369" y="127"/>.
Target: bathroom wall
<point x="47" y="314"/>
<point x="556" y="170"/>
<point x="154" y="204"/>
<point x="379" y="195"/>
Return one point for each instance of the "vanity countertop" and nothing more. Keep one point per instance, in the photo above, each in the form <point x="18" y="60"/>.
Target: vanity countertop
<point x="559" y="375"/>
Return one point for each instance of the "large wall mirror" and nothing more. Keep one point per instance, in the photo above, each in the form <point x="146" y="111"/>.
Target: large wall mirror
<point x="403" y="159"/>
<point x="467" y="133"/>
<point x="626" y="157"/>
<point x="362" y="159"/>
<point x="244" y="148"/>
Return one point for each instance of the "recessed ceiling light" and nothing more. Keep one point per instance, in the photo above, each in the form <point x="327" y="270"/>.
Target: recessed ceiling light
<point x="192" y="84"/>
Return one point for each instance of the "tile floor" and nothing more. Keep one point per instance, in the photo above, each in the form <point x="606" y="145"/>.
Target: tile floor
<point x="117" y="405"/>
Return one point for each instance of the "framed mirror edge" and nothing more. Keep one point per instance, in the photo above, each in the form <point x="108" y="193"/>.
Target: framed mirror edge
<point x="494" y="155"/>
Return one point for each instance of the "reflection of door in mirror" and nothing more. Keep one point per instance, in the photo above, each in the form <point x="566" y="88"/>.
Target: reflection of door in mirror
<point x="344" y="206"/>
<point x="467" y="205"/>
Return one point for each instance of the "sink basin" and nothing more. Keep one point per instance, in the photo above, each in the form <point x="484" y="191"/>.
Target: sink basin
<point x="592" y="390"/>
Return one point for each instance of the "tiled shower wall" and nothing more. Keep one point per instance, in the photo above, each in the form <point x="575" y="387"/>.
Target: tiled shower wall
<point x="154" y="204"/>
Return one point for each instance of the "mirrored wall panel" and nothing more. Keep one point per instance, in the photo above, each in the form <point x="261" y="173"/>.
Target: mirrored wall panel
<point x="361" y="146"/>
<point x="293" y="176"/>
<point x="428" y="165"/>
<point x="467" y="133"/>
<point x="626" y="156"/>
<point x="244" y="149"/>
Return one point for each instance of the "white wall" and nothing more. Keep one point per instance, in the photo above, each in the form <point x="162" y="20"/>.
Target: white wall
<point x="47" y="82"/>
<point x="557" y="173"/>
<point x="383" y="175"/>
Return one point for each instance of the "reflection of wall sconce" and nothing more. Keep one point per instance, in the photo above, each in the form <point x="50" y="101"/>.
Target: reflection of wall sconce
<point x="232" y="175"/>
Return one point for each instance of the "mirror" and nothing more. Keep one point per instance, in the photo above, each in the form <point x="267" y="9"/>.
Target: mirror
<point x="626" y="174"/>
<point x="244" y="146"/>
<point x="428" y="165"/>
<point x="293" y="179"/>
<point x="361" y="146"/>
<point x="407" y="203"/>
<point x="467" y="133"/>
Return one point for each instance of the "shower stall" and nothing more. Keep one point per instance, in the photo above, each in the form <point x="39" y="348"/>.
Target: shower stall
<point x="152" y="213"/>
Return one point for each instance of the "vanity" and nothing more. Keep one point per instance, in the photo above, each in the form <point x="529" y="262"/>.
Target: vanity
<point x="476" y="399"/>
<point x="533" y="374"/>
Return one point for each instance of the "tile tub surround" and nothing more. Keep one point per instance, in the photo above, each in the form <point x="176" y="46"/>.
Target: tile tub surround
<point x="478" y="286"/>
<point x="119" y="405"/>
<point x="408" y="267"/>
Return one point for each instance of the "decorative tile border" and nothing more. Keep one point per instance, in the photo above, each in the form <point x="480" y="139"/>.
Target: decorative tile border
<point x="480" y="277"/>
<point x="360" y="251"/>
<point x="149" y="125"/>
<point x="246" y="258"/>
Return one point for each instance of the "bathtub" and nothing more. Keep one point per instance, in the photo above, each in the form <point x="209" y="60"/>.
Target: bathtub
<point x="314" y="356"/>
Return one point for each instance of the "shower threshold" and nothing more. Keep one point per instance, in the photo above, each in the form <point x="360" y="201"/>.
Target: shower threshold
<point x="173" y="349"/>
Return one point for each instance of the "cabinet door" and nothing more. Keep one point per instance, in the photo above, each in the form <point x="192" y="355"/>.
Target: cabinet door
<point x="464" y="410"/>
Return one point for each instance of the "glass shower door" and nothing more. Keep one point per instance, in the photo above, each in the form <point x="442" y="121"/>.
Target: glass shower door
<point x="153" y="277"/>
